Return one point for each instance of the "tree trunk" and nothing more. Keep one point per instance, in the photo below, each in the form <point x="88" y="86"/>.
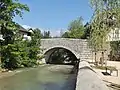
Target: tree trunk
<point x="102" y="60"/>
<point x="96" y="63"/>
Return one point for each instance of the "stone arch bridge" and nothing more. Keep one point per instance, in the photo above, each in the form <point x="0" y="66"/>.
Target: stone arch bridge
<point x="81" y="50"/>
<point x="78" y="47"/>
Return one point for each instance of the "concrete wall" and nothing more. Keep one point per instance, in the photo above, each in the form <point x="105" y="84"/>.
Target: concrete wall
<point x="87" y="79"/>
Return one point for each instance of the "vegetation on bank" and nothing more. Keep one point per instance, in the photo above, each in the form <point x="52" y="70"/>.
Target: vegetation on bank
<point x="16" y="52"/>
<point x="106" y="17"/>
<point x="115" y="51"/>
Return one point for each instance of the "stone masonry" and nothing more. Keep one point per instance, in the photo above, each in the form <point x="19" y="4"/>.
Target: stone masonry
<point x="78" y="47"/>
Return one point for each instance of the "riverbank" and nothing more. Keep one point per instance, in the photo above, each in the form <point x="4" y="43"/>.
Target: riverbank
<point x="7" y="73"/>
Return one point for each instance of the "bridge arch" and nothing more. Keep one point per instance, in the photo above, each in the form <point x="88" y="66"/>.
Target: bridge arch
<point x="50" y="50"/>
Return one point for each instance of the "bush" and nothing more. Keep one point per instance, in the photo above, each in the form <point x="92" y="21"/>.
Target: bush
<point x="10" y="57"/>
<point x="20" y="53"/>
<point x="115" y="52"/>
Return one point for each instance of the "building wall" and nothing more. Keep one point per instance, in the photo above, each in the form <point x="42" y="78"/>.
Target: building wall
<point x="114" y="35"/>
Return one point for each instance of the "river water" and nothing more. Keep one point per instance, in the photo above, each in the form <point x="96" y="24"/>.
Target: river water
<point x="48" y="77"/>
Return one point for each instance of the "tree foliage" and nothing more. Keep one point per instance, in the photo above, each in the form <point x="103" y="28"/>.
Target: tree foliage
<point x="75" y="29"/>
<point x="105" y="18"/>
<point x="66" y="35"/>
<point x="46" y="34"/>
<point x="115" y="50"/>
<point x="16" y="52"/>
<point x="8" y="10"/>
<point x="21" y="53"/>
<point x="32" y="49"/>
<point x="87" y="29"/>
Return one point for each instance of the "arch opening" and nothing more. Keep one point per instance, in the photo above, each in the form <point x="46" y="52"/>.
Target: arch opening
<point x="60" y="55"/>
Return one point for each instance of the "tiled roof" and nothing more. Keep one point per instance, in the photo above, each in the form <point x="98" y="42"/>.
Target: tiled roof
<point x="23" y="29"/>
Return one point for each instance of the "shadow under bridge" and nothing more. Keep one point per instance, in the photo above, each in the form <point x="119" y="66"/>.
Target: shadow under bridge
<point x="60" y="55"/>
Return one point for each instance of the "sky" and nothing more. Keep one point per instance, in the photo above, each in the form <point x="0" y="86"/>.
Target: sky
<point x="54" y="15"/>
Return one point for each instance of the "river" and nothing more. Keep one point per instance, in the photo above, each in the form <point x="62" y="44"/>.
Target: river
<point x="48" y="77"/>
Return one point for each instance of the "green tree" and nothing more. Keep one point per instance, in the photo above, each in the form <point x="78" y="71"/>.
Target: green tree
<point x="35" y="44"/>
<point x="65" y="35"/>
<point x="115" y="50"/>
<point x="105" y="18"/>
<point x="46" y="34"/>
<point x="87" y="29"/>
<point x="9" y="30"/>
<point x="76" y="28"/>
<point x="32" y="49"/>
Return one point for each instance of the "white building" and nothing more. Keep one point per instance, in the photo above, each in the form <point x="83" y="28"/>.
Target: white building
<point x="25" y="33"/>
<point x="114" y="35"/>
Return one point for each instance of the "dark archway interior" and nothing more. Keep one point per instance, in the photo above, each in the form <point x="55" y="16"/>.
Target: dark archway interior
<point x="61" y="56"/>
